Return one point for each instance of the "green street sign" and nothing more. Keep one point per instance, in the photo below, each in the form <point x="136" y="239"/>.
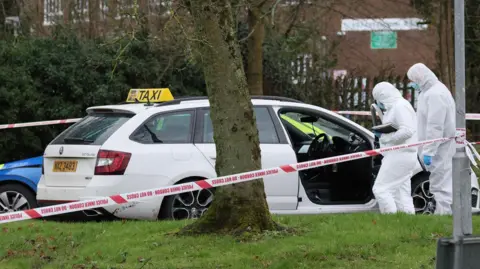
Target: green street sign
<point x="383" y="40"/>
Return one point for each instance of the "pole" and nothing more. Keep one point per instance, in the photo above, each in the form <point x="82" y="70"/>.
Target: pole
<point x="462" y="210"/>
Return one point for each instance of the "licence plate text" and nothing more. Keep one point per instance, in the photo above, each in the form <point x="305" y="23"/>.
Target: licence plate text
<point x="65" y="166"/>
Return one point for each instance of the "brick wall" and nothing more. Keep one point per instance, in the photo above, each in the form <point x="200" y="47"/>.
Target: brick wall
<point x="92" y="17"/>
<point x="354" y="50"/>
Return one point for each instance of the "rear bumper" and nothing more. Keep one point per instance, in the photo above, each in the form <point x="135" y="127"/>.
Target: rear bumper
<point x="103" y="187"/>
<point x="95" y="214"/>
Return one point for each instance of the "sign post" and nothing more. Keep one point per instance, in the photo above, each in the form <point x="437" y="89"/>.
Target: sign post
<point x="461" y="250"/>
<point x="462" y="210"/>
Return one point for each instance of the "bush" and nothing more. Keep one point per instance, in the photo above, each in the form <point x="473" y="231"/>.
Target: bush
<point x="58" y="78"/>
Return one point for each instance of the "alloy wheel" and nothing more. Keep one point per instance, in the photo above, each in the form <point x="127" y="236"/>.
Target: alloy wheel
<point x="191" y="205"/>
<point x="423" y="199"/>
<point x="11" y="201"/>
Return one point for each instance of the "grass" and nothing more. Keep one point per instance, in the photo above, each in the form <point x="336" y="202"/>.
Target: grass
<point x="322" y="241"/>
<point x="353" y="241"/>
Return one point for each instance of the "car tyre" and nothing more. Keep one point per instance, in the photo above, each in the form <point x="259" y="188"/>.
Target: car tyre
<point x="11" y="198"/>
<point x="423" y="199"/>
<point x="189" y="205"/>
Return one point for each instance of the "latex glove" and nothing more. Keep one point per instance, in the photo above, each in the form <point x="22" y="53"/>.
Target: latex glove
<point x="427" y="160"/>
<point x="377" y="134"/>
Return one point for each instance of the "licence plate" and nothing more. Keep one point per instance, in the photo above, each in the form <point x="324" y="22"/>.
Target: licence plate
<point x="65" y="166"/>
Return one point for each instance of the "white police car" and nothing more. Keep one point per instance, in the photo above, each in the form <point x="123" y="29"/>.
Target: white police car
<point x="135" y="146"/>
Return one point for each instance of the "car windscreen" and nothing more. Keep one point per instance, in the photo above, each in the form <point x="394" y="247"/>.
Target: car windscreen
<point x="94" y="129"/>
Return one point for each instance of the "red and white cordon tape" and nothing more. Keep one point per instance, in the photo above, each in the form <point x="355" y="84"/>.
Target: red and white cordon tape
<point x="197" y="185"/>
<point x="468" y="116"/>
<point x="37" y="123"/>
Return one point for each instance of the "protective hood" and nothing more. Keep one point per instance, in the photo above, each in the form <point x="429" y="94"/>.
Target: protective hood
<point x="422" y="75"/>
<point x="386" y="93"/>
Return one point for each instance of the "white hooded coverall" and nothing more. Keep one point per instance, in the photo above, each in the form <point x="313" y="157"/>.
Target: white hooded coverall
<point x="436" y="119"/>
<point x="392" y="187"/>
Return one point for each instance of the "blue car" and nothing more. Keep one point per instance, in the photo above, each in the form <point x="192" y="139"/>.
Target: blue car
<point x="18" y="184"/>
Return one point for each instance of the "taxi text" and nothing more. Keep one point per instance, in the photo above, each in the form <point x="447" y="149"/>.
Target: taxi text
<point x="146" y="95"/>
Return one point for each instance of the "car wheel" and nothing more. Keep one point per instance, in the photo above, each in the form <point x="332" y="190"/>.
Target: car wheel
<point x="188" y="205"/>
<point x="14" y="197"/>
<point x="423" y="200"/>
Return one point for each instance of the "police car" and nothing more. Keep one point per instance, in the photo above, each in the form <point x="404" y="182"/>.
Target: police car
<point x="154" y="140"/>
<point x="18" y="184"/>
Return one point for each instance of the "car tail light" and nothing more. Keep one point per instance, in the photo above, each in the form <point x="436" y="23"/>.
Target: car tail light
<point x="112" y="162"/>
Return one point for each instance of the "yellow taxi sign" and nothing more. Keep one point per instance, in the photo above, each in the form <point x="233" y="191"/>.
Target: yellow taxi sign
<point x="149" y="95"/>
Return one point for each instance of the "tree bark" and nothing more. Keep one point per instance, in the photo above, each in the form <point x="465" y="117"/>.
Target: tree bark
<point x="256" y="27"/>
<point x="446" y="48"/>
<point x="240" y="207"/>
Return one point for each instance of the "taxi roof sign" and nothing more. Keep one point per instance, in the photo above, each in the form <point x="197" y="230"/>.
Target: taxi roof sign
<point x="149" y="95"/>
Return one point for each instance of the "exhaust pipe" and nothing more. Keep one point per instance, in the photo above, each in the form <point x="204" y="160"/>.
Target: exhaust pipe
<point x="92" y="213"/>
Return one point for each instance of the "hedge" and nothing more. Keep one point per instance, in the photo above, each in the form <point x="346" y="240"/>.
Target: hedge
<point x="57" y="78"/>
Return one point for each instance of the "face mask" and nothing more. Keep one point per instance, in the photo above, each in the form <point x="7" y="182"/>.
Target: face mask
<point x="415" y="86"/>
<point x="380" y="105"/>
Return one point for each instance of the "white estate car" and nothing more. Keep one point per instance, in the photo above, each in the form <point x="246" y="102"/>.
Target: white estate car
<point x="135" y="146"/>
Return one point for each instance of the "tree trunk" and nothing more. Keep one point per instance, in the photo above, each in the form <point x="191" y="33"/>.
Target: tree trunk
<point x="255" y="50"/>
<point x="446" y="48"/>
<point x="240" y="207"/>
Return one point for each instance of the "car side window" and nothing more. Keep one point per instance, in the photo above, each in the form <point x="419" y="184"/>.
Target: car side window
<point x="320" y="125"/>
<point x="169" y="128"/>
<point x="266" y="128"/>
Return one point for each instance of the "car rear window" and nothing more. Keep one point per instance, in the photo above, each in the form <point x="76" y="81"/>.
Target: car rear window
<point x="94" y="129"/>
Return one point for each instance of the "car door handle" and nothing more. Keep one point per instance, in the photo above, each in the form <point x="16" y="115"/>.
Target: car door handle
<point x="213" y="158"/>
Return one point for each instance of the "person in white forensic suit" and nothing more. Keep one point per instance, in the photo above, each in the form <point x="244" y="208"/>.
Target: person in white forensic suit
<point x="436" y="119"/>
<point x="392" y="188"/>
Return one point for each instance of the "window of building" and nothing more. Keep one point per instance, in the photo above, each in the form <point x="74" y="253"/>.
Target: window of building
<point x="52" y="11"/>
<point x="80" y="11"/>
<point x="126" y="8"/>
<point x="295" y="2"/>
<point x="159" y="7"/>
<point x="300" y="68"/>
<point x="103" y="9"/>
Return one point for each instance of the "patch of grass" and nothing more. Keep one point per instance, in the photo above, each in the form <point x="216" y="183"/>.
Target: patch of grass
<point x="321" y="241"/>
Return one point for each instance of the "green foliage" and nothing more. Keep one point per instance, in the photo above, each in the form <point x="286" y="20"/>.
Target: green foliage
<point x="425" y="8"/>
<point x="472" y="48"/>
<point x="60" y="76"/>
<point x="281" y="51"/>
<point x="46" y="79"/>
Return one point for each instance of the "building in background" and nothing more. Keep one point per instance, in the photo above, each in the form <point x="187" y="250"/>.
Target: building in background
<point x="372" y="37"/>
<point x="91" y="17"/>
<point x="380" y="36"/>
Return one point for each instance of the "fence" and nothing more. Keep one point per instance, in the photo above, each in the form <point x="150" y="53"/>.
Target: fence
<point x="355" y="93"/>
